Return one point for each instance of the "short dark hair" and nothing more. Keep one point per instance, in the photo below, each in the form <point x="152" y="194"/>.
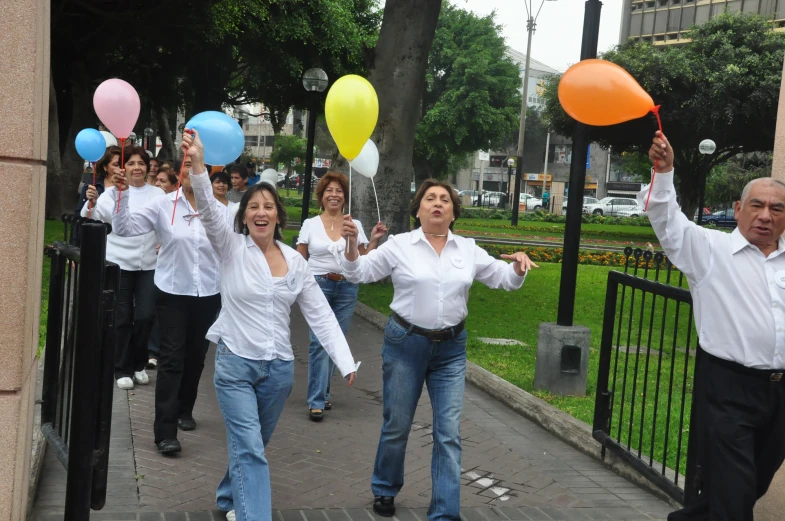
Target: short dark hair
<point x="221" y="177"/>
<point x="239" y="170"/>
<point x="156" y="160"/>
<point x="250" y="164"/>
<point x="240" y="227"/>
<point x="169" y="172"/>
<point x="139" y="151"/>
<point x="326" y="179"/>
<point x="100" y="166"/>
<point x="427" y="185"/>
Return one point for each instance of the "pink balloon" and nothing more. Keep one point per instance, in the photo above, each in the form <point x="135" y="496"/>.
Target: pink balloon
<point x="117" y="105"/>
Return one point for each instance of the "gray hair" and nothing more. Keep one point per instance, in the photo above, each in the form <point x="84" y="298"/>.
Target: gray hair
<point x="768" y="180"/>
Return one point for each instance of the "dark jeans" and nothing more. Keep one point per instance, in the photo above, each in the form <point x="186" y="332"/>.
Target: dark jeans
<point x="134" y="319"/>
<point x="154" y="344"/>
<point x="183" y="322"/>
<point x="740" y="441"/>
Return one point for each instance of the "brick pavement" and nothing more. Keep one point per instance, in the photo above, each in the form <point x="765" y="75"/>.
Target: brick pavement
<point x="513" y="469"/>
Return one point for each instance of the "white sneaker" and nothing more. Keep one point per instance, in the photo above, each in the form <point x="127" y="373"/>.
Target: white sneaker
<point x="125" y="383"/>
<point x="141" y="377"/>
<point x="152" y="363"/>
<point x="230" y="516"/>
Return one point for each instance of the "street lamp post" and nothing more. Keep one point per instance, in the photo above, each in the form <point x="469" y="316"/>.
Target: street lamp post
<point x="706" y="148"/>
<point x="314" y="81"/>
<point x="580" y="149"/>
<point x="531" y="24"/>
<point x="148" y="133"/>
<point x="510" y="162"/>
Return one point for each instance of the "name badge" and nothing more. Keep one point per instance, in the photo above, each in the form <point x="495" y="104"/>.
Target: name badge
<point x="458" y="262"/>
<point x="291" y="281"/>
<point x="779" y="278"/>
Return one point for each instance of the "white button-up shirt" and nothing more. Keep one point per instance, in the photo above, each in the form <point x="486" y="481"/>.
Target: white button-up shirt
<point x="430" y="290"/>
<point x="130" y="253"/>
<point x="738" y="294"/>
<point x="255" y="307"/>
<point x="187" y="264"/>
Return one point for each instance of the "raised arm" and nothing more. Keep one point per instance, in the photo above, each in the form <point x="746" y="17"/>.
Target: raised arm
<point x="688" y="246"/>
<point x="126" y="223"/>
<point x="377" y="265"/>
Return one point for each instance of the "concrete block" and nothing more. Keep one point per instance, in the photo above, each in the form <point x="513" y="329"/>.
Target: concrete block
<point x="562" y="359"/>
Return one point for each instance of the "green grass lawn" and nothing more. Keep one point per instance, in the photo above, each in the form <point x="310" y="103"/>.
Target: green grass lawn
<point x="517" y="315"/>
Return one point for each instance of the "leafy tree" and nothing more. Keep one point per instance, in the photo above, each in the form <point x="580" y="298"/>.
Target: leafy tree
<point x="724" y="85"/>
<point x="726" y="182"/>
<point x="471" y="99"/>
<point x="289" y="150"/>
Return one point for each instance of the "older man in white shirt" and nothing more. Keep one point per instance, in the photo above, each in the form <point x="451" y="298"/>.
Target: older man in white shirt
<point x="737" y="282"/>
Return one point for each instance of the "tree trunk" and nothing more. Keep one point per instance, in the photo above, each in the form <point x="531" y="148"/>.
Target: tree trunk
<point x="398" y="75"/>
<point x="688" y="173"/>
<point x="165" y="133"/>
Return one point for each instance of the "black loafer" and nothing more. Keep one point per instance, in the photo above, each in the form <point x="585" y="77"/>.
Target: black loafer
<point x="384" y="505"/>
<point x="186" y="424"/>
<point x="328" y="405"/>
<point x="316" y="415"/>
<point x="168" y="447"/>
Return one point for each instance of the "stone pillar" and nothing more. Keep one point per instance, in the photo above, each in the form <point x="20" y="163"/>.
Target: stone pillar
<point x="24" y="110"/>
<point x="778" y="166"/>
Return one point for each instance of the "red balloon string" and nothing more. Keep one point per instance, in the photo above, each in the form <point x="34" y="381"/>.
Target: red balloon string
<point x="90" y="206"/>
<point x="656" y="111"/>
<point x="122" y="165"/>
<point x="177" y="192"/>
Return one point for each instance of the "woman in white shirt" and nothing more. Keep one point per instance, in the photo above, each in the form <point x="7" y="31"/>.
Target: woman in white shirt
<point x="136" y="257"/>
<point x="424" y="340"/>
<point x="254" y="362"/>
<point x="320" y="242"/>
<point x="188" y="281"/>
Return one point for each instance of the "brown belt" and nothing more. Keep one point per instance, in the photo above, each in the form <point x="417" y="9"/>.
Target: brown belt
<point x="434" y="335"/>
<point x="333" y="276"/>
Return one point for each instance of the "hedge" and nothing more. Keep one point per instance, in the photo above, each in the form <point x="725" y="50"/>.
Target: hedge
<point x="645" y="234"/>
<point x="541" y="216"/>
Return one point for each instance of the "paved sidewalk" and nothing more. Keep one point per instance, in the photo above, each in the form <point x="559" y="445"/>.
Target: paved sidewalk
<point x="513" y="469"/>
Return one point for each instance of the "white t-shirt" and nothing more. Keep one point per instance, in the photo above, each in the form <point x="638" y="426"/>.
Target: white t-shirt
<point x="323" y="252"/>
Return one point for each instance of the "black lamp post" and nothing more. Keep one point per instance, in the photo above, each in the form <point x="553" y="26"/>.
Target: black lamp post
<point x="314" y="81"/>
<point x="580" y="149"/>
<point x="149" y="133"/>
<point x="510" y="163"/>
<point x="706" y="148"/>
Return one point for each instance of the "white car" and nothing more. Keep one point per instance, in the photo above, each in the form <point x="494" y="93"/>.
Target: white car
<point x="611" y="206"/>
<point x="634" y="212"/>
<point x="529" y="203"/>
<point x="586" y="200"/>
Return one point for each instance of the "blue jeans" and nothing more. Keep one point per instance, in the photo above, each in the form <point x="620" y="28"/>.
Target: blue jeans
<point x="251" y="394"/>
<point x="342" y="296"/>
<point x="409" y="360"/>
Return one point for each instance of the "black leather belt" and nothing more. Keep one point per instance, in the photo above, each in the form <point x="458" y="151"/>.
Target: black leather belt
<point x="434" y="335"/>
<point x="772" y="375"/>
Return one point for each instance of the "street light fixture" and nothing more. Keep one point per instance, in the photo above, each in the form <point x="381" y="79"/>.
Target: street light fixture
<point x="531" y="25"/>
<point x="148" y="133"/>
<point x="315" y="81"/>
<point x="707" y="147"/>
<point x="510" y="164"/>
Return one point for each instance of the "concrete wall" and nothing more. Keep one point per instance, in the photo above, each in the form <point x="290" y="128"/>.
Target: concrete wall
<point x="24" y="104"/>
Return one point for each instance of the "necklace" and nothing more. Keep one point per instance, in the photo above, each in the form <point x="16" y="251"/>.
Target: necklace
<point x="332" y="223"/>
<point x="435" y="234"/>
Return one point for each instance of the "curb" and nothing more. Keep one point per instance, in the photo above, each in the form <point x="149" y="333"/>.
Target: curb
<point x="570" y="430"/>
<point x="38" y="449"/>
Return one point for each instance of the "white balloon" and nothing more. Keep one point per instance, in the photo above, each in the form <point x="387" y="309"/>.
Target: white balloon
<point x="111" y="141"/>
<point x="367" y="163"/>
<point x="269" y="176"/>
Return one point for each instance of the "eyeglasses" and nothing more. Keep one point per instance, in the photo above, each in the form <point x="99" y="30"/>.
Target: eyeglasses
<point x="190" y="217"/>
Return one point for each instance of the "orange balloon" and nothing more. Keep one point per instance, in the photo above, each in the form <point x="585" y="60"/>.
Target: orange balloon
<point x="600" y="93"/>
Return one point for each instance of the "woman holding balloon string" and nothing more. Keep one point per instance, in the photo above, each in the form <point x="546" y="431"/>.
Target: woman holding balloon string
<point x="254" y="362"/>
<point x="320" y="242"/>
<point x="432" y="272"/>
<point x="136" y="257"/>
<point x="188" y="282"/>
<point x="108" y="164"/>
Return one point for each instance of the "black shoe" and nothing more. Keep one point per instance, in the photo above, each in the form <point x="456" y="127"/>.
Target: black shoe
<point x="328" y="405"/>
<point x="316" y="415"/>
<point x="384" y="505"/>
<point x="168" y="447"/>
<point x="186" y="424"/>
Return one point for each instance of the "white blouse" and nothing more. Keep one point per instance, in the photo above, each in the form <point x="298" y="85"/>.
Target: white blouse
<point x="430" y="290"/>
<point x="130" y="253"/>
<point x="324" y="253"/>
<point x="255" y="309"/>
<point x="187" y="264"/>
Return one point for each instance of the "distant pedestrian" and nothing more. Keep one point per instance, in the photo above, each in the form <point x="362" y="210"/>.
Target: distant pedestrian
<point x="737" y="282"/>
<point x="432" y="271"/>
<point x="220" y="182"/>
<point x="546" y="198"/>
<point x="253" y="176"/>
<point x="155" y="166"/>
<point x="239" y="179"/>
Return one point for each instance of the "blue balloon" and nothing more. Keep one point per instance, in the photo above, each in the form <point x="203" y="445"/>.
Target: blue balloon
<point x="221" y="135"/>
<point x="90" y="144"/>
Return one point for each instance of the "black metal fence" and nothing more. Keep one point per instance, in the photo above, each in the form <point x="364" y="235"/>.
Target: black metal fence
<point x="76" y="407"/>
<point x="648" y="354"/>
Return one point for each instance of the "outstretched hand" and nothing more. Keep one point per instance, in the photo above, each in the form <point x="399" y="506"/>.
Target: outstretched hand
<point x="521" y="262"/>
<point x="192" y="147"/>
<point x="661" y="153"/>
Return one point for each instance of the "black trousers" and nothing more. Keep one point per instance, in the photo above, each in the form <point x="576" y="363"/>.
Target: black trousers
<point x="182" y="323"/>
<point x="741" y="442"/>
<point x="134" y="321"/>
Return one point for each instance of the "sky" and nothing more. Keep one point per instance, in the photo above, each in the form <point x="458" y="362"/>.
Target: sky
<point x="557" y="39"/>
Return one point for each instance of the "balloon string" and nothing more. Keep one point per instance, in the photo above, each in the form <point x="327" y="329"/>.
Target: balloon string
<point x="350" y="189"/>
<point x="656" y="111"/>
<point x="90" y="206"/>
<point x="122" y="165"/>
<point x="179" y="182"/>
<point x="377" y="200"/>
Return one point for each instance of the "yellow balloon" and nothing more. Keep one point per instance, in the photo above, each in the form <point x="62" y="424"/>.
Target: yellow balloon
<point x="351" y="109"/>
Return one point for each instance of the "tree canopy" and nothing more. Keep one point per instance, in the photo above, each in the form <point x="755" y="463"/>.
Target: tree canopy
<point x="289" y="150"/>
<point x="723" y="85"/>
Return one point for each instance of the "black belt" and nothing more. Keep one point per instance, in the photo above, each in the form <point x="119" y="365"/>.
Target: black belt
<point x="771" y="375"/>
<point x="434" y="335"/>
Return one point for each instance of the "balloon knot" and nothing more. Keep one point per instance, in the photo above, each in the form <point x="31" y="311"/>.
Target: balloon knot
<point x="656" y="109"/>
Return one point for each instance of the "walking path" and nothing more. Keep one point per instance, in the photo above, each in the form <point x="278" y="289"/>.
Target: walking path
<point x="513" y="469"/>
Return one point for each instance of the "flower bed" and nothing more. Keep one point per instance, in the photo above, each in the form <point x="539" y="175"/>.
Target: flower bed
<point x="542" y="254"/>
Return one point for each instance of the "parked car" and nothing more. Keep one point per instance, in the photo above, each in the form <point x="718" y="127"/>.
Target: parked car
<point x="529" y="203"/>
<point x="586" y="200"/>
<point x="632" y="212"/>
<point x="488" y="198"/>
<point x="611" y="206"/>
<point x="721" y="218"/>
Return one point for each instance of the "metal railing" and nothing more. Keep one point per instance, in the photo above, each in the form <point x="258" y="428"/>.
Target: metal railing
<point x="648" y="354"/>
<point x="76" y="407"/>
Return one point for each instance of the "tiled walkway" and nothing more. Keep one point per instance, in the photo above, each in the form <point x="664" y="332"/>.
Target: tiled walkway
<point x="513" y="469"/>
